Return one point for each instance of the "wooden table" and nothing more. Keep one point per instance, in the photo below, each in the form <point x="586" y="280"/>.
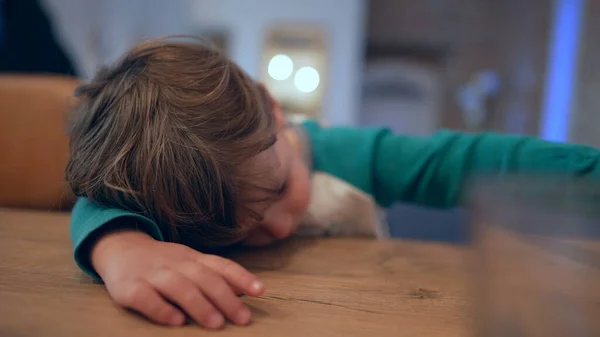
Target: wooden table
<point x="325" y="287"/>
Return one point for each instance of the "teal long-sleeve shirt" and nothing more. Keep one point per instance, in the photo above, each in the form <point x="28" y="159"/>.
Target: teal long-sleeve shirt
<point x="429" y="171"/>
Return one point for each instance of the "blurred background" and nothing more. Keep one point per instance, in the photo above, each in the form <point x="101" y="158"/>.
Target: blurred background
<point x="416" y="66"/>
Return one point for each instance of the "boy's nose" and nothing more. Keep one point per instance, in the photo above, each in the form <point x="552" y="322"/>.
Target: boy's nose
<point x="281" y="226"/>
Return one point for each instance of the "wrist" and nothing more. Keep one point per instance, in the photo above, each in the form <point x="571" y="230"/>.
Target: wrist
<point x="111" y="243"/>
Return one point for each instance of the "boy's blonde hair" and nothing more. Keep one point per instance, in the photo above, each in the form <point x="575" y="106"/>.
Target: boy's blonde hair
<point x="169" y="131"/>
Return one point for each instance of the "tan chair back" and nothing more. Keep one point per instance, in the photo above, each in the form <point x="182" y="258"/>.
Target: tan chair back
<point x="33" y="141"/>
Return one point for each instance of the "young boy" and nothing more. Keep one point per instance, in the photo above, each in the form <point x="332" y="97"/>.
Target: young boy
<point x="176" y="147"/>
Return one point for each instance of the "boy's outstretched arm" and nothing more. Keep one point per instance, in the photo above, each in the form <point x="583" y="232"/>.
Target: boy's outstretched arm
<point x="164" y="281"/>
<point x="432" y="171"/>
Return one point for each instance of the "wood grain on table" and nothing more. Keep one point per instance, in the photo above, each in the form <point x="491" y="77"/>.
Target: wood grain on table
<point x="323" y="287"/>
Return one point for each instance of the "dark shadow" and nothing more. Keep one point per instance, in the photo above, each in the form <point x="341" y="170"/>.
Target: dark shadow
<point x="424" y="224"/>
<point x="273" y="257"/>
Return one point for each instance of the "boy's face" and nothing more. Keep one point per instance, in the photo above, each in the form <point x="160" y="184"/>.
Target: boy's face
<point x="282" y="217"/>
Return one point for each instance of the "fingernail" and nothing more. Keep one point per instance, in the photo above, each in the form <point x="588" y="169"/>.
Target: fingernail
<point x="215" y="321"/>
<point x="243" y="316"/>
<point x="257" y="286"/>
<point x="177" y="319"/>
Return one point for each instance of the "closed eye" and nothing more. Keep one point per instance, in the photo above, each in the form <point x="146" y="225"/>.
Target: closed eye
<point x="282" y="190"/>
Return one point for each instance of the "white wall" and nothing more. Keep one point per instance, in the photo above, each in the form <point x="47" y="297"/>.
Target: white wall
<point x="97" y="32"/>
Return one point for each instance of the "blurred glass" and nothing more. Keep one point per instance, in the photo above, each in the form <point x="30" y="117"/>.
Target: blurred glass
<point x="537" y="257"/>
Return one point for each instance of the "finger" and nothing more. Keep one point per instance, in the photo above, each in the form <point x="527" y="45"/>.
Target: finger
<point x="234" y="274"/>
<point x="218" y="291"/>
<point x="237" y="290"/>
<point x="180" y="290"/>
<point x="200" y="258"/>
<point x="194" y="255"/>
<point x="143" y="298"/>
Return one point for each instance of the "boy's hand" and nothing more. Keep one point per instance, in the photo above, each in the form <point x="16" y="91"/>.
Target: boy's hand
<point x="162" y="280"/>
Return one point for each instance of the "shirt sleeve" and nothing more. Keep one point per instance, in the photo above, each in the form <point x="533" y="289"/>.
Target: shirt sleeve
<point x="89" y="220"/>
<point x="432" y="171"/>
